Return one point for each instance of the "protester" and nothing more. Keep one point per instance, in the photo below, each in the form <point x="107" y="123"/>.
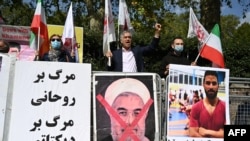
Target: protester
<point x="208" y="116"/>
<point x="57" y="53"/>
<point x="127" y="97"/>
<point x="128" y="58"/>
<point x="15" y="49"/>
<point x="4" y="46"/>
<point x="175" y="56"/>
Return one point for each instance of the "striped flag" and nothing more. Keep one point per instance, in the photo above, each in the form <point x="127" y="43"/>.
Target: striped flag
<point x="68" y="36"/>
<point x="39" y="28"/>
<point x="123" y="17"/>
<point x="212" y="49"/>
<point x="109" y="27"/>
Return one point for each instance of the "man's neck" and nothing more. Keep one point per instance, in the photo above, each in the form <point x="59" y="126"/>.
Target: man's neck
<point x="126" y="49"/>
<point x="212" y="102"/>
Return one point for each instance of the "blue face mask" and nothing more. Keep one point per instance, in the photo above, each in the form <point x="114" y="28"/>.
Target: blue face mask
<point x="56" y="44"/>
<point x="178" y="48"/>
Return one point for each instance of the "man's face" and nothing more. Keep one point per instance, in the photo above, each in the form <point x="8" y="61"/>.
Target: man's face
<point x="126" y="40"/>
<point x="177" y="42"/>
<point x="128" y="106"/>
<point x="211" y="86"/>
<point x="14" y="50"/>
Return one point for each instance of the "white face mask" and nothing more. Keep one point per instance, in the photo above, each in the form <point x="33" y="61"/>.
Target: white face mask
<point x="178" y="48"/>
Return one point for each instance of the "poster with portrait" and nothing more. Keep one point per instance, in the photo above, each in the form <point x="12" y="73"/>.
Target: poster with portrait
<point x="4" y="77"/>
<point x="125" y="106"/>
<point x="186" y="92"/>
<point x="51" y="101"/>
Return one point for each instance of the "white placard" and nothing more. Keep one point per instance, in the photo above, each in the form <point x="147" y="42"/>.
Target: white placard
<point x="51" y="101"/>
<point x="4" y="80"/>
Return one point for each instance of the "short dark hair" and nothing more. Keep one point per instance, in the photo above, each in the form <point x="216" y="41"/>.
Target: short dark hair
<point x="210" y="72"/>
<point x="6" y="47"/>
<point x="177" y="37"/>
<point x="125" y="31"/>
<point x="15" y="45"/>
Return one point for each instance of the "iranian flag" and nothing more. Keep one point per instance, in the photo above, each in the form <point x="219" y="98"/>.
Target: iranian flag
<point x="69" y="37"/>
<point x="40" y="30"/>
<point x="212" y="49"/>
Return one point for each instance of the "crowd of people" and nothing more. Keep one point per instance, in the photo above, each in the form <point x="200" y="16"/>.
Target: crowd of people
<point x="199" y="108"/>
<point x="125" y="59"/>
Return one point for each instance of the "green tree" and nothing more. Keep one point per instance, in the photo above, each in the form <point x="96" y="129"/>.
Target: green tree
<point x="89" y="15"/>
<point x="237" y="54"/>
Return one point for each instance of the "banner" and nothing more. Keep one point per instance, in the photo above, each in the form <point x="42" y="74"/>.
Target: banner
<point x="15" y="33"/>
<point x="53" y="103"/>
<point x="21" y="36"/>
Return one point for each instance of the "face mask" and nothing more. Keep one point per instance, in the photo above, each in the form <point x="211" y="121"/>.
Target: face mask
<point x="178" y="48"/>
<point x="56" y="44"/>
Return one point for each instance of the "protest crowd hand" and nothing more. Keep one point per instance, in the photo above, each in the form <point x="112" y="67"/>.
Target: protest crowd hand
<point x="72" y="53"/>
<point x="193" y="64"/>
<point x="167" y="70"/>
<point x="157" y="30"/>
<point x="108" y="54"/>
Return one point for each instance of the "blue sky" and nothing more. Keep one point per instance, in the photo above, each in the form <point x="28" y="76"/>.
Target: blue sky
<point x="235" y="10"/>
<point x="225" y="10"/>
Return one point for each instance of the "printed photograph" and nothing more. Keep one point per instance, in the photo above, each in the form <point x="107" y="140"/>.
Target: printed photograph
<point x="125" y="108"/>
<point x="198" y="102"/>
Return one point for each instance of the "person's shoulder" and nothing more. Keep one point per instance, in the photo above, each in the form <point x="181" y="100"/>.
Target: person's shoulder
<point x="116" y="51"/>
<point x="45" y="55"/>
<point x="4" y="54"/>
<point x="198" y="104"/>
<point x="222" y="102"/>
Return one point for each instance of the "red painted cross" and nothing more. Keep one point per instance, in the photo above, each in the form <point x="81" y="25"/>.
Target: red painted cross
<point x="128" y="129"/>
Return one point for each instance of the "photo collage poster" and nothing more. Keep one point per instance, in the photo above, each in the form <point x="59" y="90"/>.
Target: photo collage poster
<point x="120" y="115"/>
<point x="184" y="89"/>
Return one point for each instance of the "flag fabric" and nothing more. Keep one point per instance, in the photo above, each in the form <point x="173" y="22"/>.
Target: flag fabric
<point x="196" y="28"/>
<point x="68" y="36"/>
<point x="109" y="27"/>
<point x="33" y="42"/>
<point x="123" y="17"/>
<point x="212" y="49"/>
<point x="39" y="28"/>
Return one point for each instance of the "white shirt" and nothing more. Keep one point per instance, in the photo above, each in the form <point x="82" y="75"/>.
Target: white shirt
<point x="128" y="60"/>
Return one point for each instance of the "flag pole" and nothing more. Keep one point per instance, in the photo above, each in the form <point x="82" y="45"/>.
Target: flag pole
<point x="201" y="48"/>
<point x="109" y="58"/>
<point x="118" y="45"/>
<point x="38" y="44"/>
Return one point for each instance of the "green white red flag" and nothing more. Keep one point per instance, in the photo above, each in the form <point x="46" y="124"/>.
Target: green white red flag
<point x="39" y="28"/>
<point x="212" y="49"/>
